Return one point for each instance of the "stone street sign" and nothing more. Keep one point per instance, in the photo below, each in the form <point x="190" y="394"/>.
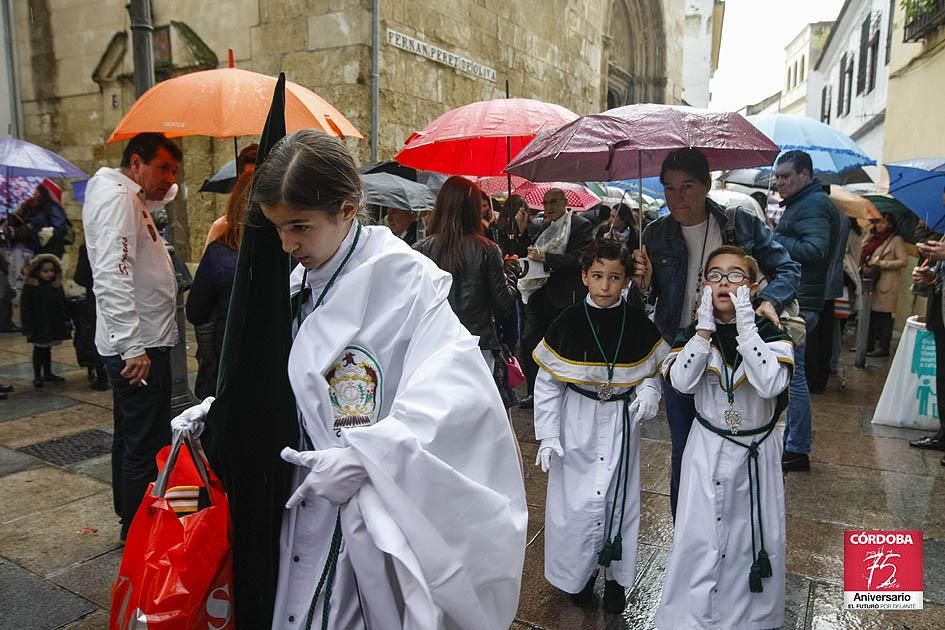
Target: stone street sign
<point x="417" y="47"/>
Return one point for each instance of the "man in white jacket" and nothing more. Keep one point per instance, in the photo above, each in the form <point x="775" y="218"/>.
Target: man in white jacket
<point x="135" y="291"/>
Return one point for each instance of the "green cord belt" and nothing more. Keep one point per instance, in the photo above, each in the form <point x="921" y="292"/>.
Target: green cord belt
<point x="760" y="565"/>
<point x="327" y="578"/>
<point x="613" y="546"/>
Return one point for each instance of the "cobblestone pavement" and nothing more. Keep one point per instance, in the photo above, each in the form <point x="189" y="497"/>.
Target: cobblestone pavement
<point x="59" y="547"/>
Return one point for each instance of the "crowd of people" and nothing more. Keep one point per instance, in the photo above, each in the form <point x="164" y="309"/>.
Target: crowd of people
<point x="407" y="343"/>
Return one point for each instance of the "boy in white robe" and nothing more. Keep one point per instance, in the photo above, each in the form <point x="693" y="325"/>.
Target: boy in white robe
<point x="598" y="378"/>
<point x="727" y="566"/>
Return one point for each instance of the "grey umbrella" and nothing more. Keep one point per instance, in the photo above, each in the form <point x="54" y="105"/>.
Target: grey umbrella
<point x="391" y="191"/>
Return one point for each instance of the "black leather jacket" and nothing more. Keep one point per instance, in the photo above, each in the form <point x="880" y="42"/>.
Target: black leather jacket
<point x="483" y="293"/>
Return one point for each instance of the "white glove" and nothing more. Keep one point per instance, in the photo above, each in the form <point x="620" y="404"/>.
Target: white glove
<point x="545" y="449"/>
<point x="191" y="419"/>
<point x="705" y="316"/>
<point x="336" y="474"/>
<point x="44" y="235"/>
<point x="744" y="311"/>
<point x="645" y="405"/>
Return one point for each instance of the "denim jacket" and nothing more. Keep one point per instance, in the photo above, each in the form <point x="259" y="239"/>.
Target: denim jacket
<point x="670" y="260"/>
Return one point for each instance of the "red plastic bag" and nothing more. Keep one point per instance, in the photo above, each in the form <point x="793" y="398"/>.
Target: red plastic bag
<point x="176" y="571"/>
<point x="515" y="376"/>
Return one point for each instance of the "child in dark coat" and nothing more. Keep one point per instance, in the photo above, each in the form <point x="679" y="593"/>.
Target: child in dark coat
<point x="43" y="310"/>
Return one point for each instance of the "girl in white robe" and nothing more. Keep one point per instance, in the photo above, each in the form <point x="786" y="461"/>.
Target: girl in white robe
<point x="409" y="505"/>
<point x="727" y="566"/>
<point x="598" y="378"/>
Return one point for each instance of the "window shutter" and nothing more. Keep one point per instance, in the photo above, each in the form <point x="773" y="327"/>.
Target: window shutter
<point x="842" y="90"/>
<point x="864" y="56"/>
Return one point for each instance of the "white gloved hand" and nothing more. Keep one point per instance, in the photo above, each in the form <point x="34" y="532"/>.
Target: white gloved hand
<point x="191" y="419"/>
<point x="744" y="311"/>
<point x="44" y="235"/>
<point x="705" y="316"/>
<point x="645" y="405"/>
<point x="335" y="475"/>
<point x="545" y="449"/>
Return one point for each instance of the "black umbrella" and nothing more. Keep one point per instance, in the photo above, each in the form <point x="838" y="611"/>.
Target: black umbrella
<point x="391" y="191"/>
<point x="905" y="221"/>
<point x="392" y="167"/>
<point x="254" y="415"/>
<point x="222" y="181"/>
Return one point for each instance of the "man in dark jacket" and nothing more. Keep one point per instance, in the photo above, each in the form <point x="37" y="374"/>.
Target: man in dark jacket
<point x="564" y="286"/>
<point x="670" y="269"/>
<point x="808" y="232"/>
<point x="820" y="343"/>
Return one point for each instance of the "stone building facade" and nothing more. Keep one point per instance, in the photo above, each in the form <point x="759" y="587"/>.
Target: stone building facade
<point x="74" y="66"/>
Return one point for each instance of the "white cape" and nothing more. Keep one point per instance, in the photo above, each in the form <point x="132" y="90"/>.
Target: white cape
<point x="435" y="538"/>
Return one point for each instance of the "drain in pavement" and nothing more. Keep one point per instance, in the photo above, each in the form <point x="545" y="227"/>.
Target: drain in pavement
<point x="71" y="449"/>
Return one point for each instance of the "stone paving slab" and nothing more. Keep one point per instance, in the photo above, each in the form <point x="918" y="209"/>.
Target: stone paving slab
<point x="93" y="578"/>
<point x="52" y="540"/>
<point x="42" y="427"/>
<point x="859" y="497"/>
<point x="39" y="489"/>
<point x="31" y="401"/>
<point x="24" y="372"/>
<point x="878" y="453"/>
<point x="13" y="461"/>
<point x="98" y="468"/>
<point x="96" y="621"/>
<point x="32" y="603"/>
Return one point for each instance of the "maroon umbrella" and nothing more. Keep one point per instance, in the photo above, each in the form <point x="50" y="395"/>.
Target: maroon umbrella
<point x="632" y="142"/>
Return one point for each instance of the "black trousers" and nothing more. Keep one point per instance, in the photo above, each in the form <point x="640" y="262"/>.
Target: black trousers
<point x="880" y="332"/>
<point x="142" y="415"/>
<point x="819" y="350"/>
<point x="538" y="317"/>
<point x="935" y="324"/>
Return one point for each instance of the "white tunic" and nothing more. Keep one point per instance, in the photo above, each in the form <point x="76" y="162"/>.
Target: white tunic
<point x="706" y="583"/>
<point x="135" y="285"/>
<point x="582" y="484"/>
<point x="435" y="537"/>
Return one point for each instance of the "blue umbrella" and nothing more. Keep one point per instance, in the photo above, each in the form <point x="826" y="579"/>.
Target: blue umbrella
<point x="919" y="185"/>
<point x="19" y="158"/>
<point x="652" y="186"/>
<point x="831" y="150"/>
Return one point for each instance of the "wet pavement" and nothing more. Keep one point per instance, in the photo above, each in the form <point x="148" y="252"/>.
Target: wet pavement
<point x="59" y="547"/>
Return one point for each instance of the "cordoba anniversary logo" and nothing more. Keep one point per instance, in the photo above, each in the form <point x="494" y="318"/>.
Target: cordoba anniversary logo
<point x="882" y="570"/>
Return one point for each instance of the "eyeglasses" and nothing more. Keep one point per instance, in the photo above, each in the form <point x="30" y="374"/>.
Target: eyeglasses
<point x="734" y="277"/>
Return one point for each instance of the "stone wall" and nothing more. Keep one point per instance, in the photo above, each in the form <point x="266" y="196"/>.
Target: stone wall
<point x="554" y="50"/>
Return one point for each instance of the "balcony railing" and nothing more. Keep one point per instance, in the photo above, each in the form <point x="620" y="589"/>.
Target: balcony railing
<point x="923" y="17"/>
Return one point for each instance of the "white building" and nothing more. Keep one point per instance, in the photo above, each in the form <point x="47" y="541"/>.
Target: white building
<point x="703" y="36"/>
<point x="799" y="57"/>
<point x="847" y="88"/>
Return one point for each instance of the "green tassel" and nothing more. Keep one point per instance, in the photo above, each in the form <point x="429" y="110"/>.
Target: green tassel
<point x="606" y="554"/>
<point x="764" y="565"/>
<point x="754" y="579"/>
<point x="618" y="548"/>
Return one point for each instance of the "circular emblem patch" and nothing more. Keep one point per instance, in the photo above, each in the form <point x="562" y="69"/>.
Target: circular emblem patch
<point x="354" y="386"/>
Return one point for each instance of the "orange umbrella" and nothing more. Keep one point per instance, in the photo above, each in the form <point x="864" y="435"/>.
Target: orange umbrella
<point x="854" y="206"/>
<point x="226" y="103"/>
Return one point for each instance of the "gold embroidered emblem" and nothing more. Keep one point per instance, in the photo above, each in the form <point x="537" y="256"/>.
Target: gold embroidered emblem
<point x="354" y="386"/>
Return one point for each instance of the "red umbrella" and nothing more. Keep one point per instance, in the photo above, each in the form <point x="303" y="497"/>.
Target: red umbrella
<point x="480" y="138"/>
<point x="578" y="197"/>
<point x="498" y="185"/>
<point x="632" y="141"/>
